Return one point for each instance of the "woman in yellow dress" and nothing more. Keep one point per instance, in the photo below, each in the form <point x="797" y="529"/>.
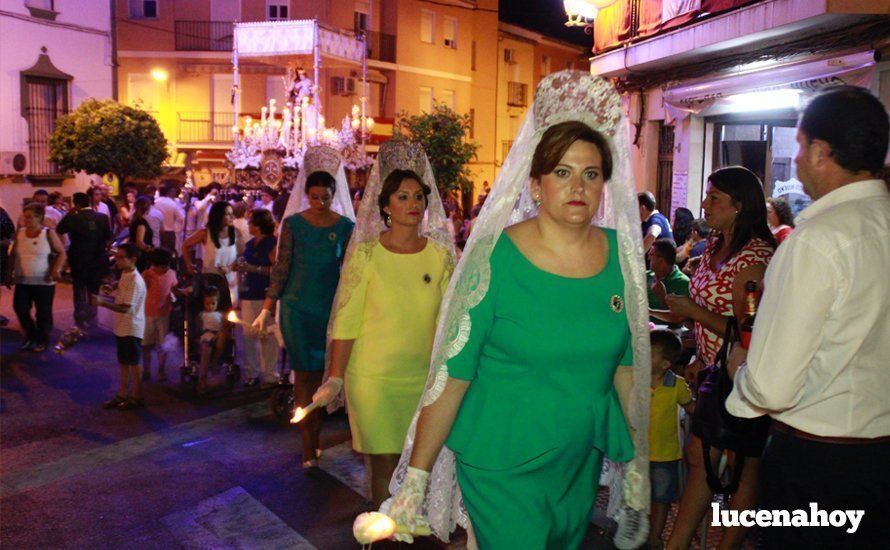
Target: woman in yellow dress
<point x="396" y="270"/>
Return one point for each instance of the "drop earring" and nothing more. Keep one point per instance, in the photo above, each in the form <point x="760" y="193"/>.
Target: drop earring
<point x="387" y="219"/>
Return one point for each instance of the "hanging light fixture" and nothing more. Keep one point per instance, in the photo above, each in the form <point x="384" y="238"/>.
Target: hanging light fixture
<point x="581" y="13"/>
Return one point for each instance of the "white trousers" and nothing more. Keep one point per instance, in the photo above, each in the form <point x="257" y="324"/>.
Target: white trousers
<point x="260" y="354"/>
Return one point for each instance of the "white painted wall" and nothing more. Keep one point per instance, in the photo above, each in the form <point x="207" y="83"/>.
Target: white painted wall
<point x="78" y="43"/>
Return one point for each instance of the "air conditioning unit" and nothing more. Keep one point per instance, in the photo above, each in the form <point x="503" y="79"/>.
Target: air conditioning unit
<point x="450" y="43"/>
<point x="342" y="85"/>
<point x="13" y="162"/>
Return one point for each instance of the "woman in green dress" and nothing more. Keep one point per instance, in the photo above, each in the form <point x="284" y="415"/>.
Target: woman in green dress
<point x="540" y="369"/>
<point x="386" y="308"/>
<point x="304" y="279"/>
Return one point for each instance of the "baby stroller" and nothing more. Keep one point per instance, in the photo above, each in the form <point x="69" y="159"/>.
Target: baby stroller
<point x="193" y="305"/>
<point x="282" y="401"/>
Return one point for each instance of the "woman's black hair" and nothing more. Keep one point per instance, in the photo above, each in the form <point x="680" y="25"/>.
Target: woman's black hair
<point x="263" y="220"/>
<point x="321" y="179"/>
<point x="392" y="183"/>
<point x="215" y="222"/>
<point x="746" y="191"/>
<point x="141" y="207"/>
<point x="682" y="228"/>
<point x="782" y="210"/>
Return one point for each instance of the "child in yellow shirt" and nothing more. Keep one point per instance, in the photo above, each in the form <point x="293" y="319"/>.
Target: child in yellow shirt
<point x="669" y="392"/>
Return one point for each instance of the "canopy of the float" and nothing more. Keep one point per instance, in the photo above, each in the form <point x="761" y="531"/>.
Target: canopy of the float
<point x="299" y="41"/>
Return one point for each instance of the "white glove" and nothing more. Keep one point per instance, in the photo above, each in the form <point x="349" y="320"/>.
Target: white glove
<point x="328" y="391"/>
<point x="405" y="507"/>
<point x="633" y="522"/>
<point x="260" y="322"/>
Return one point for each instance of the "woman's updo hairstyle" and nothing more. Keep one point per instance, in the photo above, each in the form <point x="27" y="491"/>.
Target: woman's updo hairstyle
<point x="321" y="179"/>
<point x="556" y="141"/>
<point x="392" y="183"/>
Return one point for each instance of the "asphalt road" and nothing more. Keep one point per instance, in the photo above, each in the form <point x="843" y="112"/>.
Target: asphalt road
<point x="185" y="471"/>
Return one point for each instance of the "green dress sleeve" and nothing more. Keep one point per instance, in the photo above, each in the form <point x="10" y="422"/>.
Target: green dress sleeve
<point x="350" y="307"/>
<point x="280" y="271"/>
<point x="463" y="366"/>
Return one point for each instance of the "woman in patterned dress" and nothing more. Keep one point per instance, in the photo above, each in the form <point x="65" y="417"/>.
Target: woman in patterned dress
<point x="740" y="247"/>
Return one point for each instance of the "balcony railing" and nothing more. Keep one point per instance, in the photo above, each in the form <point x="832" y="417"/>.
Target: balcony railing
<point x="214" y="36"/>
<point x="381" y="47"/>
<point x="517" y="94"/>
<point x="205" y="127"/>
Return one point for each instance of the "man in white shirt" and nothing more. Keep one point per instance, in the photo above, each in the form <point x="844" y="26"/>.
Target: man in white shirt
<point x="174" y="216"/>
<point x="819" y="361"/>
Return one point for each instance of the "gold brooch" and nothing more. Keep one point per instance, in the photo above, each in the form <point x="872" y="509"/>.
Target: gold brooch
<point x="616" y="303"/>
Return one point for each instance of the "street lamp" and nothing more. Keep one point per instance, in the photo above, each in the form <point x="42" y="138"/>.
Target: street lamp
<point x="159" y="75"/>
<point x="581" y="13"/>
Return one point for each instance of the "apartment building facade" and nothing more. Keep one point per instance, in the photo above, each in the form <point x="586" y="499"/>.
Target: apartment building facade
<point x="524" y="58"/>
<point x="55" y="54"/>
<point x="175" y="60"/>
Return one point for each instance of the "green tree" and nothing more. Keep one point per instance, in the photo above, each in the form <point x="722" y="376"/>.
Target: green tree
<point x="443" y="135"/>
<point x="105" y="136"/>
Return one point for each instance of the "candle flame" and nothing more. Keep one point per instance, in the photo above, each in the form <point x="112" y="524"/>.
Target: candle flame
<point x="298" y="415"/>
<point x="371" y="527"/>
<point x="232" y="317"/>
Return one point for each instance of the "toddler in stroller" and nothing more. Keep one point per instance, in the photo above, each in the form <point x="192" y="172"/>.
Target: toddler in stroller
<point x="213" y="346"/>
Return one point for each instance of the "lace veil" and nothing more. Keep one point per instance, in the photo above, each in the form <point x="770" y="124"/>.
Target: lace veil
<point x="324" y="159"/>
<point x="560" y="97"/>
<point x="393" y="155"/>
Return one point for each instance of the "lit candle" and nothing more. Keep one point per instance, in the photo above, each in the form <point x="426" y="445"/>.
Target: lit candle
<point x="302" y="413"/>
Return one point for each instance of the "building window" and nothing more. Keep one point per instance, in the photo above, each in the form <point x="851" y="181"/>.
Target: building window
<point x="570" y="65"/>
<point x="45" y="102"/>
<point x="448" y="99"/>
<point x="472" y="123"/>
<point x="427" y="24"/>
<point x="143" y="9"/>
<point x="509" y="56"/>
<point x="505" y="149"/>
<point x="545" y="65"/>
<point x="473" y="56"/>
<point x="359" y="22"/>
<point x="276" y="10"/>
<point x="43" y="9"/>
<point x="425" y="99"/>
<point x="450" y="32"/>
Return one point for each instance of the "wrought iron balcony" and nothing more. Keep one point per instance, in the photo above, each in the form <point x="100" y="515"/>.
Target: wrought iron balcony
<point x="517" y="94"/>
<point x="205" y="127"/>
<point x="215" y="36"/>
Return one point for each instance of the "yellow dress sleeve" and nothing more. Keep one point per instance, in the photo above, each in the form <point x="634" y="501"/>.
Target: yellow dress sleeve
<point x="349" y="309"/>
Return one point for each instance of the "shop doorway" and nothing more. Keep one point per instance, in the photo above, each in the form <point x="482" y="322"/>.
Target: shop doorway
<point x="765" y="145"/>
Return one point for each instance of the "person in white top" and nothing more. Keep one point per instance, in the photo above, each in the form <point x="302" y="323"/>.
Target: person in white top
<point x="819" y="359"/>
<point x="129" y="327"/>
<point x="54" y="210"/>
<point x="267" y="198"/>
<point x="173" y="214"/>
<point x="222" y="246"/>
<point x="97" y="204"/>
<point x="36" y="274"/>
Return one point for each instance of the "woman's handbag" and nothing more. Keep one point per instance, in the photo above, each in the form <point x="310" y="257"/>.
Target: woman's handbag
<point x="716" y="427"/>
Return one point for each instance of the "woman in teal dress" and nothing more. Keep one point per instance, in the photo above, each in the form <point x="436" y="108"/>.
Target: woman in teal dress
<point x="303" y="280"/>
<point x="540" y="369"/>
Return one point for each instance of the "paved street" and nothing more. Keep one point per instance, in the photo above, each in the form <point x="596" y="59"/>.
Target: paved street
<point x="217" y="472"/>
